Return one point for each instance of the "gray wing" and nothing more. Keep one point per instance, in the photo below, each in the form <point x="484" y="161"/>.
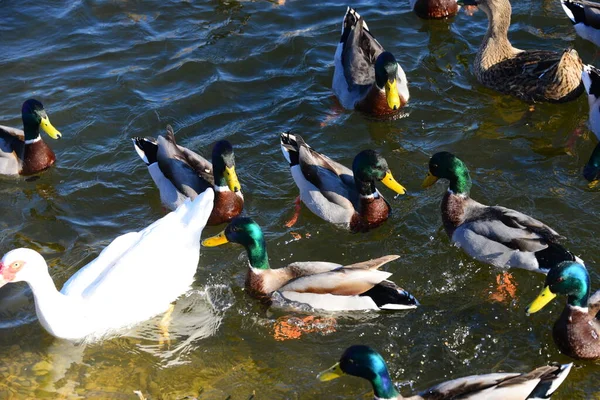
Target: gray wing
<point x="592" y="14"/>
<point x="469" y="387"/>
<point x="176" y="167"/>
<point x="202" y="166"/>
<point x="12" y="147"/>
<point x="360" y="51"/>
<point x="331" y="178"/>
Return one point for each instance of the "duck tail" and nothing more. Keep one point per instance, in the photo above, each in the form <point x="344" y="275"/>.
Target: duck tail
<point x="550" y="381"/>
<point x="196" y="212"/>
<point x="147" y="148"/>
<point x="290" y="147"/>
<point x="388" y="296"/>
<point x="351" y="18"/>
<point x="591" y="80"/>
<point x="574" y="11"/>
<point x="553" y="255"/>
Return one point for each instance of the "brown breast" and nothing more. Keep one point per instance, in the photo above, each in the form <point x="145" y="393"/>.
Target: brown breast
<point x="372" y="213"/>
<point x="375" y="103"/>
<point x="227" y="205"/>
<point x="452" y="211"/>
<point x="436" y="8"/>
<point x="37" y="157"/>
<point x="577" y="334"/>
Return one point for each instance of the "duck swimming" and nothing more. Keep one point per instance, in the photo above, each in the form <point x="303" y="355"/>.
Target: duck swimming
<point x="435" y="9"/>
<point x="585" y="16"/>
<point x="24" y="152"/>
<point x="591" y="82"/>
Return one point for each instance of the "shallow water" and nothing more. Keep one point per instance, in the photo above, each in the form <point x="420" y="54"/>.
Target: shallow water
<point x="245" y="71"/>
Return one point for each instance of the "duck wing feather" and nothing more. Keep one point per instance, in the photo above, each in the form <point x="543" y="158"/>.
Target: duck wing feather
<point x="12" y="150"/>
<point x="360" y="51"/>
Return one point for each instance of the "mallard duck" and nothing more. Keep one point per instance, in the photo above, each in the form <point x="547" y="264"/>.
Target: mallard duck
<point x="320" y="285"/>
<point x="366" y="77"/>
<point x="134" y="278"/>
<point x="530" y="75"/>
<point x="591" y="82"/>
<point x="585" y="17"/>
<point x="435" y="9"/>
<point x="179" y="173"/>
<point x="577" y="330"/>
<point x="366" y="363"/>
<point x="495" y="235"/>
<point x="335" y="193"/>
<point x="23" y="152"/>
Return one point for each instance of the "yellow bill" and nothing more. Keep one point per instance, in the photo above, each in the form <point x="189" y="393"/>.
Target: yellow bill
<point x="429" y="180"/>
<point x="389" y="181"/>
<point x="544" y="298"/>
<point x="49" y="129"/>
<point x="216" y="240"/>
<point x="331" y="373"/>
<point x="391" y="93"/>
<point x="232" y="179"/>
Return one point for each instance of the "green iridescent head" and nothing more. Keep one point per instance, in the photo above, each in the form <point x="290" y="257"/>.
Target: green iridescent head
<point x="369" y="166"/>
<point x="568" y="278"/>
<point x="366" y="363"/>
<point x="244" y="231"/>
<point x="386" y="74"/>
<point x="35" y="117"/>
<point x="445" y="165"/>
<point x="223" y="160"/>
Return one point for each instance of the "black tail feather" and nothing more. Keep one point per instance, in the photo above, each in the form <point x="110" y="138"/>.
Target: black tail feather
<point x="553" y="255"/>
<point x="147" y="148"/>
<point x="388" y="293"/>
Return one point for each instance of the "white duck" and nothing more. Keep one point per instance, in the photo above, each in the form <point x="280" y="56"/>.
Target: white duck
<point x="134" y="278"/>
<point x="591" y="81"/>
<point x="585" y="16"/>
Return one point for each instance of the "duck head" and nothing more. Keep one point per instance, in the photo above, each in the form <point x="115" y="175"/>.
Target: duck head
<point x="445" y="165"/>
<point x="366" y="363"/>
<point x="568" y="278"/>
<point x="223" y="160"/>
<point x="35" y="117"/>
<point x="369" y="166"/>
<point x="21" y="265"/>
<point x="386" y="75"/>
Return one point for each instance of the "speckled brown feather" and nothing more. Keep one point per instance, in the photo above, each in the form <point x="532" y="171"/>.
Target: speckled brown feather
<point x="453" y="215"/>
<point x="577" y="334"/>
<point x="436" y="9"/>
<point x="375" y="103"/>
<point x="227" y="206"/>
<point x="372" y="213"/>
<point x="37" y="157"/>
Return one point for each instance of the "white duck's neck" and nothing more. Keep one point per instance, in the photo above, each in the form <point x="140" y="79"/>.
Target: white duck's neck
<point x="54" y="310"/>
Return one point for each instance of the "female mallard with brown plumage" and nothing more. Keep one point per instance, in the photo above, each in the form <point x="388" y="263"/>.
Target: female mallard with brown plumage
<point x="435" y="9"/>
<point x="180" y="173"/>
<point x="366" y="363"/>
<point x="577" y="331"/>
<point x="318" y="284"/>
<point x="23" y="152"/>
<point x="493" y="234"/>
<point x="366" y="77"/>
<point x="530" y="75"/>
<point x="344" y="197"/>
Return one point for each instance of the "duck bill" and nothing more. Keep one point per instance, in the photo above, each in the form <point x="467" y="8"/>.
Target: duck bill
<point x="331" y="373"/>
<point x="429" y="180"/>
<point x="391" y="93"/>
<point x="389" y="181"/>
<point x="544" y="298"/>
<point x="216" y="240"/>
<point x="49" y="129"/>
<point x="232" y="180"/>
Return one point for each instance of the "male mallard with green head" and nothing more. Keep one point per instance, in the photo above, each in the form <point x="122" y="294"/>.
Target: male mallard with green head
<point x="495" y="235"/>
<point x="180" y="173"/>
<point x="318" y="284"/>
<point x="23" y="152"/>
<point x="577" y="331"/>
<point x="530" y="75"/>
<point x="366" y="363"/>
<point x="366" y="77"/>
<point x="344" y="197"/>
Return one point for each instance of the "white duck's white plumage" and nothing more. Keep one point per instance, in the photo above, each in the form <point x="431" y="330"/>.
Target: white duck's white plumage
<point x="585" y="16"/>
<point x="134" y="278"/>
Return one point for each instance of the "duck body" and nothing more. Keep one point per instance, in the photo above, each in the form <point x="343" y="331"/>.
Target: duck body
<point x="364" y="362"/>
<point x="134" y="278"/>
<point x="320" y="285"/>
<point x="334" y="192"/>
<point x="24" y="152"/>
<point x="366" y="77"/>
<point x="180" y="173"/>
<point x="435" y="9"/>
<point x="585" y="16"/>
<point x="577" y="331"/>
<point x="530" y="75"/>
<point x="591" y="82"/>
<point x="495" y="235"/>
